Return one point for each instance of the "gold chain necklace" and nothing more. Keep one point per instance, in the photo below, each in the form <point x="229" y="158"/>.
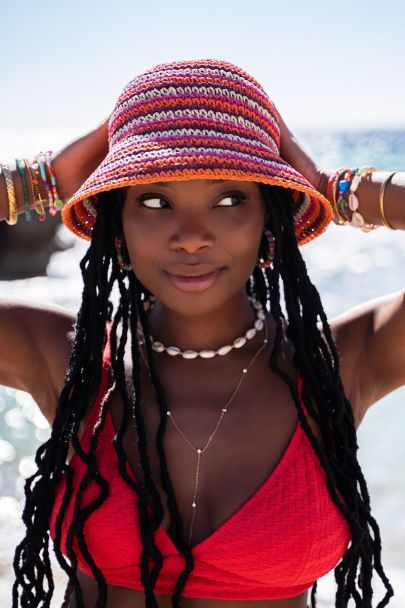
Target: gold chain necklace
<point x="224" y="410"/>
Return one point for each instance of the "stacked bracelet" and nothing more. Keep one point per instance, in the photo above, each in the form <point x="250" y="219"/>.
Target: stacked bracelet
<point x="346" y="210"/>
<point x="31" y="174"/>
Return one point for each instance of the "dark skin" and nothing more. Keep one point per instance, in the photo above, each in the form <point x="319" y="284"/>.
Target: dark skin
<point x="200" y="224"/>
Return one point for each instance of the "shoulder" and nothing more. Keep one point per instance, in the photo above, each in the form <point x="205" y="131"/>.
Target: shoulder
<point x="370" y="339"/>
<point x="35" y="345"/>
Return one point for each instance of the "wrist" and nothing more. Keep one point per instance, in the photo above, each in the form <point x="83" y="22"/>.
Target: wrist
<point x="322" y="179"/>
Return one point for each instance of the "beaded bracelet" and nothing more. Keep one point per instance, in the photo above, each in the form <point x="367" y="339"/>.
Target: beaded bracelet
<point x="12" y="202"/>
<point x="57" y="201"/>
<point x="28" y="173"/>
<point x="38" y="170"/>
<point x="34" y="177"/>
<point x="332" y="186"/>
<point x="20" y="169"/>
<point x="32" y="172"/>
<point x="343" y="186"/>
<point x="40" y="162"/>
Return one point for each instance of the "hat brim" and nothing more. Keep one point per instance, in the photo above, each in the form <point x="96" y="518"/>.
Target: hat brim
<point x="132" y="164"/>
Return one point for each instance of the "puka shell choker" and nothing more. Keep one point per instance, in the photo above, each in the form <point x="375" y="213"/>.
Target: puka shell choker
<point x="174" y="351"/>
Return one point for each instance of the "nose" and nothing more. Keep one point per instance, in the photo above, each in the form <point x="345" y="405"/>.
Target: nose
<point x="191" y="235"/>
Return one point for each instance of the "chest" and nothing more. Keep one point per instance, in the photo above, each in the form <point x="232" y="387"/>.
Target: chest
<point x="240" y="449"/>
<point x="261" y="493"/>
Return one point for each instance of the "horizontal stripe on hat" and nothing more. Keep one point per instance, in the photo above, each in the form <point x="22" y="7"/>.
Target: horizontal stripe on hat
<point x="151" y="131"/>
<point x="151" y="115"/>
<point x="193" y="136"/>
<point x="200" y="93"/>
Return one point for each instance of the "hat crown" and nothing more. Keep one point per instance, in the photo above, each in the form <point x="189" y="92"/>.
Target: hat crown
<point x="195" y="98"/>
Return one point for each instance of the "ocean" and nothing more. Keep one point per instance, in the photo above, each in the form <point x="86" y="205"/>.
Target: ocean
<point x="348" y="267"/>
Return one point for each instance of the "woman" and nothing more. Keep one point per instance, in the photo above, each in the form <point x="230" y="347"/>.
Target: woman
<point x="203" y="446"/>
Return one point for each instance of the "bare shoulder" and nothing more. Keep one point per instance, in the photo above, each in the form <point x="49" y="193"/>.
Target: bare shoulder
<point x="370" y="339"/>
<point x="35" y="345"/>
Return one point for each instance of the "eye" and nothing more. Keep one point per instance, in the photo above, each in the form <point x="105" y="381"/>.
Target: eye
<point x="236" y="200"/>
<point x="153" y="202"/>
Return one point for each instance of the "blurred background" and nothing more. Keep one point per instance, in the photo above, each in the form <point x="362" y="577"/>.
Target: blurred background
<point x="335" y="72"/>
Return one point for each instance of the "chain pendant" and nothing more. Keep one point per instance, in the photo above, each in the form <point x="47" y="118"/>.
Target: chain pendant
<point x="194" y="501"/>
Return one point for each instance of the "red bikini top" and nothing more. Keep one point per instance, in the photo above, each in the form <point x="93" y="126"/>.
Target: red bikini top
<point x="285" y="536"/>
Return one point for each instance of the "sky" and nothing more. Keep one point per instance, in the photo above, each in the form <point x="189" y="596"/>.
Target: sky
<point x="326" y="65"/>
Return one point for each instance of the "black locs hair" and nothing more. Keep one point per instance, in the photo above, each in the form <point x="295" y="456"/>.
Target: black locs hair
<point x="315" y="357"/>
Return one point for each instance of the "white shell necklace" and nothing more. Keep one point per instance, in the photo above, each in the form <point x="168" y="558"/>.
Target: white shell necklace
<point x="174" y="351"/>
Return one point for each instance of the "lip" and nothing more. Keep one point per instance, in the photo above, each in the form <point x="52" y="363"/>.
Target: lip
<point x="194" y="280"/>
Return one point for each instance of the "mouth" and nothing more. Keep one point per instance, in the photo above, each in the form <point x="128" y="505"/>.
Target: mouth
<point x="193" y="281"/>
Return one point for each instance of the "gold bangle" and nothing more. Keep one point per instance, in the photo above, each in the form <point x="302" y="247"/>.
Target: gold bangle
<point x="12" y="204"/>
<point x="381" y="201"/>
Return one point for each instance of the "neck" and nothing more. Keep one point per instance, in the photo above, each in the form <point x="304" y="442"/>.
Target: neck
<point x="209" y="330"/>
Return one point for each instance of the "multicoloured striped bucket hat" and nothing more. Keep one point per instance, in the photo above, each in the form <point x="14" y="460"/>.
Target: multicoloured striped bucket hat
<point x="193" y="119"/>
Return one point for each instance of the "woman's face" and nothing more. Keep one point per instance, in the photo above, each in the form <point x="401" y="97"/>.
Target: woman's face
<point x="194" y="243"/>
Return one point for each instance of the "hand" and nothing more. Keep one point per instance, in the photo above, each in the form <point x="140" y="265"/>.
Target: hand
<point x="293" y="152"/>
<point x="74" y="163"/>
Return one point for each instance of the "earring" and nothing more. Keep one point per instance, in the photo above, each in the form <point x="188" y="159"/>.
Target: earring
<point x="122" y="254"/>
<point x="266" y="250"/>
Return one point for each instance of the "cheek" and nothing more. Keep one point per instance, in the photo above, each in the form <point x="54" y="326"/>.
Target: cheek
<point x="244" y="242"/>
<point x="143" y="247"/>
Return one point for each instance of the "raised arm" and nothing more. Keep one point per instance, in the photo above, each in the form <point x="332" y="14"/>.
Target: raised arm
<point x="35" y="343"/>
<point x="371" y="336"/>
<point x="35" y="340"/>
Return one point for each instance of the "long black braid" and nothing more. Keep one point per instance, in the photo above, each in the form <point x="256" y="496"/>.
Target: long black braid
<point x="315" y="356"/>
<point x="317" y="360"/>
